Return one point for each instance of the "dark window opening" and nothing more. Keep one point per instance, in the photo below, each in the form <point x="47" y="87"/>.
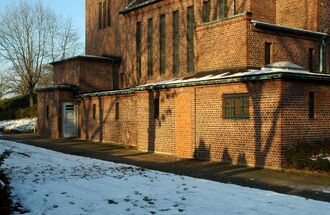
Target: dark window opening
<point x="109" y="13"/>
<point x="236" y="106"/>
<point x="268" y="48"/>
<point x="150" y="47"/>
<point x="311" y="60"/>
<point x="223" y="8"/>
<point x="100" y="15"/>
<point x="311" y="105"/>
<point x="94" y="111"/>
<point x="104" y="14"/>
<point x="114" y="74"/>
<point x="206" y="11"/>
<point x="162" y="44"/>
<point x="117" y="111"/>
<point x="47" y="112"/>
<point x="138" y="48"/>
<point x="156" y="108"/>
<point x="190" y="39"/>
<point x="176" y="42"/>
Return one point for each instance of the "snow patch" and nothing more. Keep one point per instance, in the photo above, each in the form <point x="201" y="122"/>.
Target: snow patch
<point x="48" y="182"/>
<point x="19" y="125"/>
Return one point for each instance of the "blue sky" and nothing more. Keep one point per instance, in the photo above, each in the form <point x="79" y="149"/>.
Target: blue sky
<point x="69" y="8"/>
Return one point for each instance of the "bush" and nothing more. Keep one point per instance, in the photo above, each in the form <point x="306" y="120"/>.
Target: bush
<point x="309" y="155"/>
<point x="16" y="108"/>
<point x="6" y="204"/>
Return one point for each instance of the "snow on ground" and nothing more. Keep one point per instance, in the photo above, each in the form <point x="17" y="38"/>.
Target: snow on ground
<point x="48" y="182"/>
<point x="19" y="125"/>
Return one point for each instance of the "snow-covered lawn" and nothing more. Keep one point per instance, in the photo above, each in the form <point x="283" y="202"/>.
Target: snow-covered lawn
<point x="48" y="182"/>
<point x="19" y="125"/>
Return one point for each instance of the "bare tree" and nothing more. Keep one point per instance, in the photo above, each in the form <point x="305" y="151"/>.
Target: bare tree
<point x="2" y="86"/>
<point x="32" y="35"/>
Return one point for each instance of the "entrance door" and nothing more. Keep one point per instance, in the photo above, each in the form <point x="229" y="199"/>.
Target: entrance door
<point x="69" y="120"/>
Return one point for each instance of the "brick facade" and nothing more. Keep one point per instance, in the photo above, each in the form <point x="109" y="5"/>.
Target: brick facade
<point x="115" y="105"/>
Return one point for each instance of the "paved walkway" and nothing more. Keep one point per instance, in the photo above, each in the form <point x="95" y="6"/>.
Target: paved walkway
<point x="314" y="186"/>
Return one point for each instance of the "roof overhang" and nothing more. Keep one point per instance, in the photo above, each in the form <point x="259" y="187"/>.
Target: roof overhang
<point x="136" y="5"/>
<point x="288" y="30"/>
<point x="64" y="87"/>
<point x="90" y="57"/>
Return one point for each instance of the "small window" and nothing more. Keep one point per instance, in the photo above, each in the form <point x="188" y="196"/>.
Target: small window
<point x="94" y="111"/>
<point x="104" y="14"/>
<point x="311" y="60"/>
<point x="100" y="16"/>
<point x="206" y="10"/>
<point x="234" y="7"/>
<point x="117" y="111"/>
<point x="268" y="48"/>
<point x="236" y="106"/>
<point x="311" y="105"/>
<point x="223" y="8"/>
<point x="109" y="13"/>
<point x="156" y="108"/>
<point x="47" y="112"/>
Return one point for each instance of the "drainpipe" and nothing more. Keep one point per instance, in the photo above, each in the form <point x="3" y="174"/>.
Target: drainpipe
<point x="322" y="52"/>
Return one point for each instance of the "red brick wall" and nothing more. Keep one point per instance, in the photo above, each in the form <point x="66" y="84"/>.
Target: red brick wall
<point x="297" y="13"/>
<point x="67" y="73"/>
<point x="52" y="126"/>
<point x="284" y="48"/>
<point x="296" y="124"/>
<point x="89" y="75"/>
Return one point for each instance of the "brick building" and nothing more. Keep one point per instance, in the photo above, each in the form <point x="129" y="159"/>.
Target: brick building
<point x="209" y="79"/>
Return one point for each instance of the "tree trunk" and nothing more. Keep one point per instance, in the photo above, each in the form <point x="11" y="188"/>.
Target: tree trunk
<point x="31" y="102"/>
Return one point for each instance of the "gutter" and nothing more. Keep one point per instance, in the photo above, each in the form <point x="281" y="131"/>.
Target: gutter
<point x="289" y="30"/>
<point x="261" y="77"/>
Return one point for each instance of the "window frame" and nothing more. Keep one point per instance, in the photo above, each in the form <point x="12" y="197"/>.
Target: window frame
<point x="268" y="53"/>
<point x="176" y="41"/>
<point x="162" y="44"/>
<point x="311" y="105"/>
<point x="117" y="111"/>
<point x="150" y="47"/>
<point x="244" y="99"/>
<point x="94" y="111"/>
<point x="138" y="42"/>
<point x="206" y="11"/>
<point x="190" y="39"/>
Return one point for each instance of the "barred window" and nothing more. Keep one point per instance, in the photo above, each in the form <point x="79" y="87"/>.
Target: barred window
<point x="162" y="44"/>
<point x="150" y="48"/>
<point x="176" y="42"/>
<point x="236" y="106"/>
<point x="206" y="10"/>
<point x="190" y="39"/>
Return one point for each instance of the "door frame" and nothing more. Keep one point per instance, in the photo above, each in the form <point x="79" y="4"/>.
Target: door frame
<point x="64" y="104"/>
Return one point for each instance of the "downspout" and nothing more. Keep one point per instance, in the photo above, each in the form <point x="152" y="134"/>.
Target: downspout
<point x="322" y="53"/>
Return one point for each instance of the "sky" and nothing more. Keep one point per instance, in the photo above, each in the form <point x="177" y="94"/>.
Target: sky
<point x="68" y="8"/>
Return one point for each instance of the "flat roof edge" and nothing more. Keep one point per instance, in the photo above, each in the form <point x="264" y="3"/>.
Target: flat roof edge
<point x="247" y="78"/>
<point x="89" y="57"/>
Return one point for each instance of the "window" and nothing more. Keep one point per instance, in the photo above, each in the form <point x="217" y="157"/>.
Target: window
<point x="268" y="48"/>
<point x="311" y="60"/>
<point x="104" y="14"/>
<point x="109" y="13"/>
<point x="236" y="106"/>
<point x="100" y="15"/>
<point x="150" y="47"/>
<point x="162" y="44"/>
<point x="156" y="108"/>
<point x="117" y="111"/>
<point x="206" y="10"/>
<point x="234" y="7"/>
<point x="47" y="112"/>
<point x="114" y="77"/>
<point x="311" y="105"/>
<point x="190" y="39"/>
<point x="94" y="111"/>
<point x="138" y="48"/>
<point x="223" y="8"/>
<point x="176" y="42"/>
